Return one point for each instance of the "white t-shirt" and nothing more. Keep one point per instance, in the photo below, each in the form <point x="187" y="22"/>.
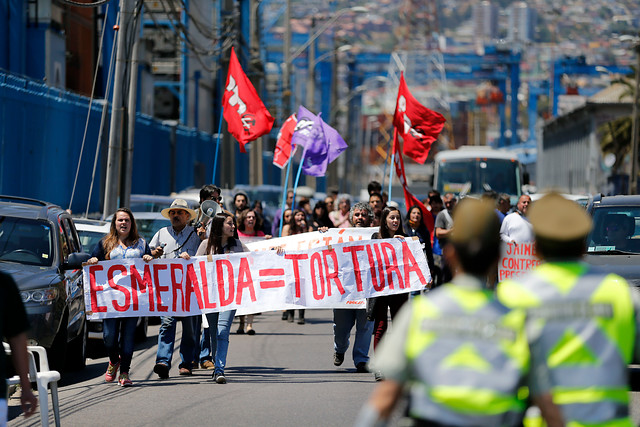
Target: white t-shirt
<point x="516" y="228"/>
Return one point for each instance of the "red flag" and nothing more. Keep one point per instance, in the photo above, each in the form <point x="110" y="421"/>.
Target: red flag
<point x="418" y="126"/>
<point x="409" y="198"/>
<point x="283" y="147"/>
<point x="247" y="117"/>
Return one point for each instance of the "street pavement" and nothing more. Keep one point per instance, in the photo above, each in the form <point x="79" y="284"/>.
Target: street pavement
<point x="284" y="375"/>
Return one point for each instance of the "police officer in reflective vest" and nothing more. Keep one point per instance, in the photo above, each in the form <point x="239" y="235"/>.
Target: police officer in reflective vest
<point x="582" y="323"/>
<point x="462" y="354"/>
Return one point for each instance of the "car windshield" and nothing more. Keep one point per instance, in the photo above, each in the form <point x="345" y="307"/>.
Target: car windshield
<point x="615" y="230"/>
<point x="147" y="228"/>
<point x="475" y="176"/>
<point x="89" y="239"/>
<point x="25" y="241"/>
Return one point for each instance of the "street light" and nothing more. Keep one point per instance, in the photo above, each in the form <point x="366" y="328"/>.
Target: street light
<point x="311" y="72"/>
<point x="633" y="178"/>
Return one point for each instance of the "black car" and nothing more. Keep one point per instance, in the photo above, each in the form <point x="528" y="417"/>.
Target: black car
<point x="39" y="247"/>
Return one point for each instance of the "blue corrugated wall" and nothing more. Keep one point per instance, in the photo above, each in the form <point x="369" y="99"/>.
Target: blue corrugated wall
<point x="41" y="132"/>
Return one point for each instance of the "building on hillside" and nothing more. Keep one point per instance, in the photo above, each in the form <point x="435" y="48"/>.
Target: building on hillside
<point x="485" y="23"/>
<point x="522" y="23"/>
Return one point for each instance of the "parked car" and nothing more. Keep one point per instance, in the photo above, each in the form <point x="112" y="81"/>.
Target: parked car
<point x="614" y="245"/>
<point x="155" y="203"/>
<point x="90" y="232"/>
<point x="40" y="248"/>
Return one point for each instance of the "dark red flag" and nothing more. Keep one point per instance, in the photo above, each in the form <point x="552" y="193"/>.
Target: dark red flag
<point x="283" y="146"/>
<point x="418" y="126"/>
<point x="247" y="117"/>
<point x="409" y="198"/>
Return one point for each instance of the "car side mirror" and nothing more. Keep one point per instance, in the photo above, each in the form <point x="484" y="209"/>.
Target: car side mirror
<point x="75" y="260"/>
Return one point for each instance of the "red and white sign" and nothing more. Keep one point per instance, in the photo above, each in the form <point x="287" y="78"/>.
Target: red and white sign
<point x="251" y="282"/>
<point x="516" y="260"/>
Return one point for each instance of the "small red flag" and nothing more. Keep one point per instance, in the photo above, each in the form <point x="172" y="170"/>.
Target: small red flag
<point x="418" y="126"/>
<point x="409" y="199"/>
<point x="283" y="146"/>
<point x="247" y="117"/>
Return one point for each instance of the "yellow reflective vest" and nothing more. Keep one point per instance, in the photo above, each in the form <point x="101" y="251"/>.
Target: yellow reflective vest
<point x="582" y="328"/>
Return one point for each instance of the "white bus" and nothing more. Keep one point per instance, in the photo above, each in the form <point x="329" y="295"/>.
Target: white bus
<point x="472" y="170"/>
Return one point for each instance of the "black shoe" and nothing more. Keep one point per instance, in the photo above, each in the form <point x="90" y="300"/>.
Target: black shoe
<point x="162" y="370"/>
<point x="301" y="321"/>
<point x="285" y="315"/>
<point x="338" y="358"/>
<point x="362" y="367"/>
<point x="219" y="378"/>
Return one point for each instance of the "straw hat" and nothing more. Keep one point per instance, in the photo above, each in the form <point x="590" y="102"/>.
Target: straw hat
<point x="179" y="204"/>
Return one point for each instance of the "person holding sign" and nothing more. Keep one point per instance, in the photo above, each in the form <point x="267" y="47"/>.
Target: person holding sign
<point x="463" y="355"/>
<point x="583" y="322"/>
<point x="515" y="227"/>
<point x="297" y="224"/>
<point x="391" y="226"/>
<point x="176" y="241"/>
<point x="221" y="241"/>
<point x="122" y="242"/>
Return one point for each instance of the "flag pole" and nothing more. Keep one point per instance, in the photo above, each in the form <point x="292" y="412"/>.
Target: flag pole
<point x="393" y="157"/>
<point x="284" y="189"/>
<point x="295" y="186"/>
<point x="384" y="174"/>
<point x="215" y="161"/>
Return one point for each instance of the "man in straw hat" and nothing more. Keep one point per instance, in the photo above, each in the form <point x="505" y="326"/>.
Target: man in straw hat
<point x="582" y="323"/>
<point x="463" y="354"/>
<point x="176" y="241"/>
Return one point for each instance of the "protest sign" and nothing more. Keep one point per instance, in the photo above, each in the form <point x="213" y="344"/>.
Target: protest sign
<point x="329" y="277"/>
<point x="516" y="260"/>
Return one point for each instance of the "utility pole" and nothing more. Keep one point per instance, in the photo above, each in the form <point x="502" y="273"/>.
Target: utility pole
<point x="127" y="162"/>
<point x="286" y="67"/>
<point x="311" y="69"/>
<point x="112" y="183"/>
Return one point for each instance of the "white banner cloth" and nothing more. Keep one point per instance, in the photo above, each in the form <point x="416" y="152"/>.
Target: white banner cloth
<point x="331" y="277"/>
<point x="516" y="260"/>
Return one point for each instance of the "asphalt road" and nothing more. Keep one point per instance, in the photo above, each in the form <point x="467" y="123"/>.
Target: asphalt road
<point x="282" y="376"/>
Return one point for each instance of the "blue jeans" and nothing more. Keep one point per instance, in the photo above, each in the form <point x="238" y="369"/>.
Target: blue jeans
<point x="167" y="337"/>
<point x="119" y="339"/>
<point x="203" y="340"/>
<point x="343" y="321"/>
<point x="220" y="340"/>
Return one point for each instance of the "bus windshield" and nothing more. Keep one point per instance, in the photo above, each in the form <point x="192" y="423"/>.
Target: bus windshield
<point x="475" y="176"/>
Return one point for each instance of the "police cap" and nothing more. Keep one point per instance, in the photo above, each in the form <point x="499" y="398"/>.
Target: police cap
<point x="555" y="218"/>
<point x="475" y="223"/>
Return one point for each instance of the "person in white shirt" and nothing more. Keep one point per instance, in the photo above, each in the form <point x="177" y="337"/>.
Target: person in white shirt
<point x="516" y="228"/>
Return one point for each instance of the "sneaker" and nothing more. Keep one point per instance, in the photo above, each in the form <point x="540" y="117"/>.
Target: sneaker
<point x="378" y="376"/>
<point x="362" y="368"/>
<point x="207" y="364"/>
<point x="124" y="380"/>
<point x="112" y="370"/>
<point x="338" y="358"/>
<point x="185" y="371"/>
<point x="219" y="378"/>
<point x="285" y="315"/>
<point x="240" y="331"/>
<point x="301" y="321"/>
<point x="162" y="370"/>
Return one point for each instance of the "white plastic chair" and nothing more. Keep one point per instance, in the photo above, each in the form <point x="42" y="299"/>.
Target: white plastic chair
<point x="45" y="379"/>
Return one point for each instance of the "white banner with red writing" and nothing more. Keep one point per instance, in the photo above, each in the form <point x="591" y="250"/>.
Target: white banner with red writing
<point x="315" y="239"/>
<point x="252" y="282"/>
<point x="516" y="260"/>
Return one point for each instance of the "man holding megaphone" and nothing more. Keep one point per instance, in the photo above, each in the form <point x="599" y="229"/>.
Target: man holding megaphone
<point x="209" y="206"/>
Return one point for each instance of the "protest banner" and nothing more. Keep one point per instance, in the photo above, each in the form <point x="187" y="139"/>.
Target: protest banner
<point x="250" y="282"/>
<point x="315" y="239"/>
<point x="516" y="260"/>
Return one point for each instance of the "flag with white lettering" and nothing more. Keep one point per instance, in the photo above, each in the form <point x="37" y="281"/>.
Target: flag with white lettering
<point x="247" y="117"/>
<point x="283" y="150"/>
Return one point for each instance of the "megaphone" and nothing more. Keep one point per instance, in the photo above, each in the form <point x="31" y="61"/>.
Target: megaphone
<point x="210" y="208"/>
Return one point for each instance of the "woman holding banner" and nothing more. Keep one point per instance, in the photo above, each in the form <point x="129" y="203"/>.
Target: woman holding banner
<point x="414" y="226"/>
<point x="221" y="241"/>
<point x="122" y="242"/>
<point x="390" y="226"/>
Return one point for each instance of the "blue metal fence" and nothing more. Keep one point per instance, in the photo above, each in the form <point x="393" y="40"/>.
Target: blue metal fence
<point x="41" y="130"/>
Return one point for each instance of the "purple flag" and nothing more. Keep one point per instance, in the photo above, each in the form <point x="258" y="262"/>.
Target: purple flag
<point x="321" y="142"/>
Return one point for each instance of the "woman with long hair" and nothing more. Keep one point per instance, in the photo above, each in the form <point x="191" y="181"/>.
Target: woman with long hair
<point x="390" y="226"/>
<point x="414" y="226"/>
<point x="122" y="242"/>
<point x="250" y="224"/>
<point x="297" y="225"/>
<point x="321" y="216"/>
<point x="221" y="240"/>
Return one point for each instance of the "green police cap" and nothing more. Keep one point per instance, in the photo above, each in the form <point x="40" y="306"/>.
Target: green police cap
<point x="555" y="218"/>
<point x="475" y="223"/>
